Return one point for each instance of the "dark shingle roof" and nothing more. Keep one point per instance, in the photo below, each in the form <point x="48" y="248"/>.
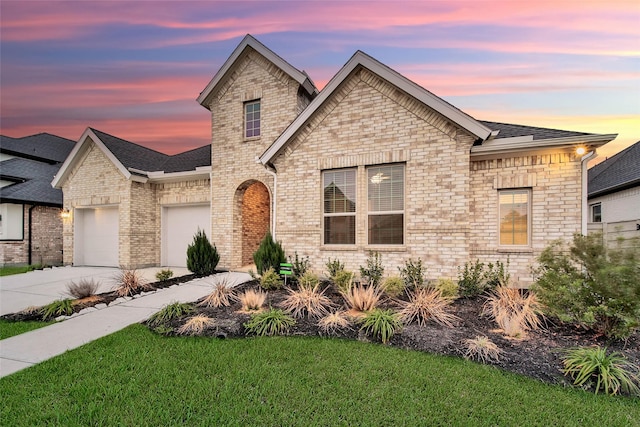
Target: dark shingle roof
<point x="510" y="130"/>
<point x="616" y="173"/>
<point x="34" y="182"/>
<point x="189" y="160"/>
<point x="43" y="147"/>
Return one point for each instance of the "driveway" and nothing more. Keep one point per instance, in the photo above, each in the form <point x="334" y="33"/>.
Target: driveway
<point x="41" y="287"/>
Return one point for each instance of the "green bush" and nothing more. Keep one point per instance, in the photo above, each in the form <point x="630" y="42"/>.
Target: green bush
<point x="61" y="307"/>
<point x="343" y="280"/>
<point x="477" y="278"/>
<point x="308" y="280"/>
<point x="373" y="271"/>
<point x="412" y="273"/>
<point x="447" y="287"/>
<point x="269" y="322"/>
<point x="169" y="313"/>
<point x="164" y="274"/>
<point x="269" y="255"/>
<point x="393" y="286"/>
<point x="270" y="280"/>
<point x="202" y="256"/>
<point x="591" y="285"/>
<point x="299" y="266"/>
<point x="496" y="275"/>
<point x="334" y="267"/>
<point x="609" y="372"/>
<point x="382" y="324"/>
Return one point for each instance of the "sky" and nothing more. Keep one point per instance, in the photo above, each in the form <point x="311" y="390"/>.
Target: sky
<point x="134" y="69"/>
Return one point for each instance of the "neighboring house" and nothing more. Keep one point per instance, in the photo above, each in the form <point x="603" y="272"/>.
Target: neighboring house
<point x="614" y="195"/>
<point x="30" y="209"/>
<point x="373" y="162"/>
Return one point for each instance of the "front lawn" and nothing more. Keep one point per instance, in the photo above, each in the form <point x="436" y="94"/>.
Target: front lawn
<point x="10" y="329"/>
<point x="135" y="377"/>
<point x="9" y="270"/>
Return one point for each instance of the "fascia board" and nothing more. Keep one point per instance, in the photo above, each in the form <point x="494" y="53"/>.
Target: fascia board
<point x="496" y="146"/>
<point x="200" y="173"/>
<point x="78" y="150"/>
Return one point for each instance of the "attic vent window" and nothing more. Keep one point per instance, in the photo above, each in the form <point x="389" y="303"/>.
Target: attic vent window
<point x="252" y="119"/>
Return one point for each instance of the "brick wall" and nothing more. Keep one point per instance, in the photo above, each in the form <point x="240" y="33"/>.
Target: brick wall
<point x="256" y="211"/>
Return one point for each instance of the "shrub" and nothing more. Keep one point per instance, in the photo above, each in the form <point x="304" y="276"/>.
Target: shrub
<point x="334" y="267"/>
<point x="610" y="372"/>
<point x="393" y="286"/>
<point x="196" y="325"/>
<point x="481" y="349"/>
<point x="496" y="275"/>
<point x="592" y="285"/>
<point x="269" y="322"/>
<point x="202" y="256"/>
<point x="83" y="289"/>
<point x="382" y="324"/>
<point x="362" y="298"/>
<point x="343" y="280"/>
<point x="61" y="307"/>
<point x="512" y="311"/>
<point x="425" y="304"/>
<point x="471" y="279"/>
<point x="130" y="282"/>
<point x="164" y="274"/>
<point x="222" y="295"/>
<point x="334" y="321"/>
<point x="412" y="273"/>
<point x="308" y="301"/>
<point x="308" y="280"/>
<point x="447" y="287"/>
<point x="169" y="313"/>
<point x="299" y="266"/>
<point x="269" y="255"/>
<point x="252" y="300"/>
<point x="373" y="271"/>
<point x="270" y="279"/>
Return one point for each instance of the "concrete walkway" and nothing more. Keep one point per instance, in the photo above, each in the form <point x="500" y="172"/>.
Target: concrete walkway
<point x="25" y="350"/>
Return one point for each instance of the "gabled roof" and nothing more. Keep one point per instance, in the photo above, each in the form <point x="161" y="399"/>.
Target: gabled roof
<point x="361" y="59"/>
<point x="32" y="182"/>
<point x="507" y="130"/>
<point x="135" y="161"/>
<point x="43" y="147"/>
<point x="616" y="173"/>
<point x="250" y="42"/>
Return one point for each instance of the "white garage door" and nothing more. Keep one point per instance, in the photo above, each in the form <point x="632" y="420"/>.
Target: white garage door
<point x="179" y="225"/>
<point x="96" y="237"/>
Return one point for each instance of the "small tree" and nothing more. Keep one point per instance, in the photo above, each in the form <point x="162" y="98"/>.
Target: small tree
<point x="269" y="255"/>
<point x="202" y="256"/>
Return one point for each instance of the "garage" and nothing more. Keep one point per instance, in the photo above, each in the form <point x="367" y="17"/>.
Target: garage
<point x="179" y="225"/>
<point x="96" y="237"/>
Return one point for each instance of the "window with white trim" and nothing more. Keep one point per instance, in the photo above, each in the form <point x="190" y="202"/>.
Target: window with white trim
<point x="385" y="196"/>
<point x="515" y="217"/>
<point x="596" y="212"/>
<point x="11" y="221"/>
<point x="339" y="212"/>
<point x="252" y="119"/>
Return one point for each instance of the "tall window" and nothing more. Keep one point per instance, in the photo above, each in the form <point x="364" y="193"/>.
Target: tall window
<point x="386" y="205"/>
<point x="515" y="208"/>
<point x="252" y="119"/>
<point x="339" y="207"/>
<point x="596" y="213"/>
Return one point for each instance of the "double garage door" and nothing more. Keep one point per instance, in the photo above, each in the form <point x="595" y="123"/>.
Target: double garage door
<point x="96" y="234"/>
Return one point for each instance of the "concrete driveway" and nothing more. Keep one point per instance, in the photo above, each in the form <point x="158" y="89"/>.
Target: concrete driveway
<point x="41" y="287"/>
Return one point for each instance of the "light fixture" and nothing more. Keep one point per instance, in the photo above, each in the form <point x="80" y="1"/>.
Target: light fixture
<point x="65" y="213"/>
<point x="580" y="151"/>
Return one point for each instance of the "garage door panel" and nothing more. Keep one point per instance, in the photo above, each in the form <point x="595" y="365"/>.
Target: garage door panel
<point x="179" y="225"/>
<point x="96" y="237"/>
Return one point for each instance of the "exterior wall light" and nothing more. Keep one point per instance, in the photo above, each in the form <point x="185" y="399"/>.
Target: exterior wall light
<point x="580" y="151"/>
<point x="65" y="214"/>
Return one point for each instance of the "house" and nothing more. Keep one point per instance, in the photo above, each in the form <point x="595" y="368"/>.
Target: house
<point x="30" y="209"/>
<point x="373" y="162"/>
<point x="614" y="195"/>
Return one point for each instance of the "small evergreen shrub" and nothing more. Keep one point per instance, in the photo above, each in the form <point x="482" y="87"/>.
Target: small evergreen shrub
<point x="372" y="272"/>
<point x="471" y="279"/>
<point x="343" y="280"/>
<point x="269" y="255"/>
<point x="308" y="280"/>
<point x="393" y="286"/>
<point x="496" y="275"/>
<point x="83" y="289"/>
<point x="381" y="324"/>
<point x="164" y="274"/>
<point x="202" y="256"/>
<point x="269" y="322"/>
<point x="270" y="279"/>
<point x="299" y="266"/>
<point x="447" y="287"/>
<point x="412" y="273"/>
<point x="62" y="307"/>
<point x="334" y="267"/>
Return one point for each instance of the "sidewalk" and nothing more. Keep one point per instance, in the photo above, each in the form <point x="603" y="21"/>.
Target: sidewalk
<point x="28" y="349"/>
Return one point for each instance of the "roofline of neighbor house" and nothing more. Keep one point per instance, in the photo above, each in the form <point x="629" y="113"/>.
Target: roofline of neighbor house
<point x="413" y="89"/>
<point x="614" y="188"/>
<point x="249" y="41"/>
<point x="29" y="202"/>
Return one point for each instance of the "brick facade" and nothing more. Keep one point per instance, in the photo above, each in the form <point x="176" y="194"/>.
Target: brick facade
<point x="256" y="219"/>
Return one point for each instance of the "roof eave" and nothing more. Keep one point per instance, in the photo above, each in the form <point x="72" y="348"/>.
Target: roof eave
<point x="614" y="189"/>
<point x="201" y="172"/>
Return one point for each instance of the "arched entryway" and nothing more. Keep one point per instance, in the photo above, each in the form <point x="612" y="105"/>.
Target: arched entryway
<point x="255" y="217"/>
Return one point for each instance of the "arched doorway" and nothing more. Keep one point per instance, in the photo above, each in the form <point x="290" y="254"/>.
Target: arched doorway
<point x="255" y="217"/>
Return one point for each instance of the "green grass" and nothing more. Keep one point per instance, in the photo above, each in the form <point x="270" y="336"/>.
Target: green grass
<point x="137" y="378"/>
<point x="9" y="270"/>
<point x="10" y="329"/>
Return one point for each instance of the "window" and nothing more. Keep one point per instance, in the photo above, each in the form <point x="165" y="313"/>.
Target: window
<point x="596" y="213"/>
<point x="252" y="119"/>
<point x="339" y="207"/>
<point x="11" y="221"/>
<point x="514" y="217"/>
<point x="386" y="205"/>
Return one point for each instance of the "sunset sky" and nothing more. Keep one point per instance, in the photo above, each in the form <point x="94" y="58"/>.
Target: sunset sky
<point x="135" y="69"/>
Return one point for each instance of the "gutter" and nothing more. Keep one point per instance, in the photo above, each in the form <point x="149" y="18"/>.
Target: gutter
<point x="30" y="247"/>
<point x="584" y="197"/>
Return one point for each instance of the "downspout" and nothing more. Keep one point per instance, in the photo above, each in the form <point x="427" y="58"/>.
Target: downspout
<point x="272" y="171"/>
<point x="585" y="190"/>
<point x="30" y="250"/>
